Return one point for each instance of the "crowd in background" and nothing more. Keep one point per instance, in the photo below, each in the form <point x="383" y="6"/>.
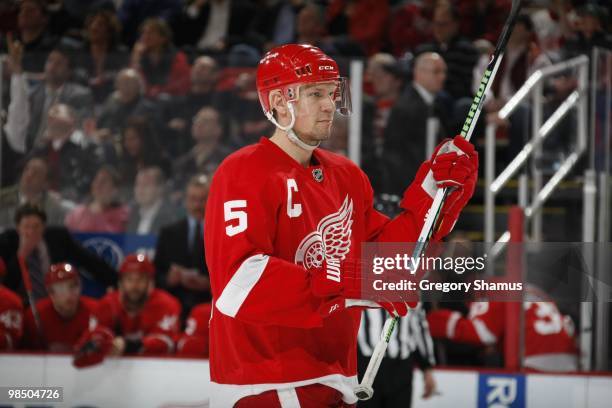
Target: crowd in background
<point x="117" y="112"/>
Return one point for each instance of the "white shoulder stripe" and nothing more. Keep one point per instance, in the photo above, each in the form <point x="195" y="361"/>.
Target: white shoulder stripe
<point x="240" y="285"/>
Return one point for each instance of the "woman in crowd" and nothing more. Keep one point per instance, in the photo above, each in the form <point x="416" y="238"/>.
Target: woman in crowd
<point x="102" y="56"/>
<point x="164" y="68"/>
<point x="103" y="212"/>
<point x="139" y="148"/>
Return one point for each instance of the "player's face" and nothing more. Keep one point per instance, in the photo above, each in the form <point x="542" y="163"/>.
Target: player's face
<point x="65" y="297"/>
<point x="314" y="111"/>
<point x="134" y="288"/>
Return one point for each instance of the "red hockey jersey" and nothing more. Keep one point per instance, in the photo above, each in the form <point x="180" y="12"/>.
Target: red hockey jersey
<point x="11" y="319"/>
<point x="267" y="217"/>
<point x="156" y="325"/>
<point x="59" y="335"/>
<point x="549" y="341"/>
<point x="194" y="341"/>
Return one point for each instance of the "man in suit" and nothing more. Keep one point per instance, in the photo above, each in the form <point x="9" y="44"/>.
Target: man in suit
<point x="40" y="246"/>
<point x="56" y="88"/>
<point x="32" y="187"/>
<point x="210" y="149"/>
<point x="150" y="210"/>
<point x="406" y="132"/>
<point x="179" y="256"/>
<point x="458" y="53"/>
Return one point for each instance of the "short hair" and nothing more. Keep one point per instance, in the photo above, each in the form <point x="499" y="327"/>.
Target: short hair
<point x="160" y="175"/>
<point x="452" y="9"/>
<point x="112" y="172"/>
<point x="199" y="180"/>
<point x="111" y="20"/>
<point x="28" y="209"/>
<point x="525" y="20"/>
<point x="132" y="74"/>
<point x="67" y="51"/>
<point x="41" y="4"/>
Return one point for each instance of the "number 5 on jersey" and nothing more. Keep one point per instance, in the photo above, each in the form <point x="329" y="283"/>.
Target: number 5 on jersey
<point x="235" y="210"/>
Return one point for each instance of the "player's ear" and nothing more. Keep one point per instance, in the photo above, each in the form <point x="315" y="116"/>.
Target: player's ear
<point x="278" y="104"/>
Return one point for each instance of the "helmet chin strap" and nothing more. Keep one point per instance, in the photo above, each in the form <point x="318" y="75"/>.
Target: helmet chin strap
<point x="293" y="138"/>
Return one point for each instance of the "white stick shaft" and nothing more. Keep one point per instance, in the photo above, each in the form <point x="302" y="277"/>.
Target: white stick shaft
<point x="378" y="353"/>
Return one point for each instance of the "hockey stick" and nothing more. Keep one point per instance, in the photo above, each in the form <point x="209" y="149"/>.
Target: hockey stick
<point x="27" y="284"/>
<point x="364" y="390"/>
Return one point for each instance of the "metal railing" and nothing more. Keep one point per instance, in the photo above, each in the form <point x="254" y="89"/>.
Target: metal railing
<point x="533" y="88"/>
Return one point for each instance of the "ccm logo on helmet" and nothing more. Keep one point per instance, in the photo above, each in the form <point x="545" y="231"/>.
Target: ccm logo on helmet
<point x="326" y="67"/>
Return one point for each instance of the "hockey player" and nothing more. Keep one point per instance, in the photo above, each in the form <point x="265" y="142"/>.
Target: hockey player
<point x="194" y="341"/>
<point x="143" y="319"/>
<point x="64" y="316"/>
<point x="283" y="227"/>
<point x="11" y="315"/>
<point x="549" y="336"/>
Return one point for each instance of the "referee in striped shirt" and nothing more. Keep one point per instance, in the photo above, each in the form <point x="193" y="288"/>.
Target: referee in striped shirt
<point x="409" y="345"/>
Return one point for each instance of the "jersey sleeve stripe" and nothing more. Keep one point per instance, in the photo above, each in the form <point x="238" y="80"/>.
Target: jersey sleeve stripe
<point x="485" y="335"/>
<point x="452" y="324"/>
<point x="241" y="284"/>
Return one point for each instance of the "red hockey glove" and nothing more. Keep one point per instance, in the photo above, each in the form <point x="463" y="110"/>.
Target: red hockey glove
<point x="453" y="164"/>
<point x="93" y="347"/>
<point x="340" y="282"/>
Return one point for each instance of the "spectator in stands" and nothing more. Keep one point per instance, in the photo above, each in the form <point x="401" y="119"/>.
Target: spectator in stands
<point x="522" y="58"/>
<point x="193" y="342"/>
<point x="209" y="150"/>
<point x="40" y="246"/>
<point x="247" y="111"/>
<point x="385" y="76"/>
<point x="56" y="88"/>
<point x="140" y="148"/>
<point x="102" y="212"/>
<point x="101" y="55"/>
<point x="132" y="13"/>
<point x="11" y="315"/>
<point x="365" y="21"/>
<point x="311" y="29"/>
<point x="483" y="19"/>
<point x="32" y="188"/>
<point x="32" y="32"/>
<point x="403" y="149"/>
<point x="458" y="53"/>
<point x="179" y="111"/>
<point x="150" y="210"/>
<point x="179" y="255"/>
<point x="591" y="32"/>
<point x="410" y="26"/>
<point x="126" y="101"/>
<point x="64" y="316"/>
<point x="214" y="25"/>
<point x="28" y="112"/>
<point x="70" y="167"/>
<point x="143" y="319"/>
<point x="276" y="22"/>
<point x="164" y="68"/>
